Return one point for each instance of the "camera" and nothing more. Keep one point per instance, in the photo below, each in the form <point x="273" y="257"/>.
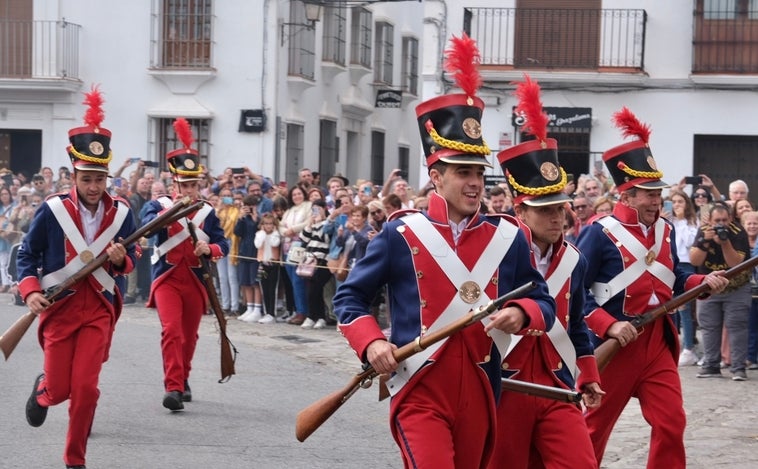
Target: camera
<point x="722" y="232"/>
<point x="337" y="203"/>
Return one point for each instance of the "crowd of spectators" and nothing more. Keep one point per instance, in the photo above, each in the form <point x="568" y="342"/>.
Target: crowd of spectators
<point x="333" y="222"/>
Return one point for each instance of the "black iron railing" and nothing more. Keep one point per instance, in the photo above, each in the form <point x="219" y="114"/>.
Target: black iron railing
<point x="39" y="49"/>
<point x="573" y="39"/>
<point x="725" y="38"/>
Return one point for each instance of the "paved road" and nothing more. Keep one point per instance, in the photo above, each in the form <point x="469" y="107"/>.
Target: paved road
<point x="249" y="421"/>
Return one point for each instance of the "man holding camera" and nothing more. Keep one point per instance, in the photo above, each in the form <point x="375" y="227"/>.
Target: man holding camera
<point x="720" y="245"/>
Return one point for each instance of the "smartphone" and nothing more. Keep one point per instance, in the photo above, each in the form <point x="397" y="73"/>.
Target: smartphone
<point x="133" y="160"/>
<point x="367" y="190"/>
<point x="238" y="170"/>
<point x="569" y="178"/>
<point x="599" y="165"/>
<point x="668" y="206"/>
<point x="693" y="180"/>
<point x="315" y="211"/>
<point x="338" y="203"/>
<point x="151" y="164"/>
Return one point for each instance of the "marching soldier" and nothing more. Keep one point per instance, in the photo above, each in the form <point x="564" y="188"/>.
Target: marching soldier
<point x="177" y="290"/>
<point x="534" y="431"/>
<point x="68" y="231"/>
<point x="442" y="263"/>
<point x="632" y="268"/>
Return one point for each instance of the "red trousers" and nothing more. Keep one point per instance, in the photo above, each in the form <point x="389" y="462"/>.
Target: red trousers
<point x="647" y="370"/>
<point x="445" y="421"/>
<point x="534" y="432"/>
<point x="181" y="302"/>
<point x="75" y="337"/>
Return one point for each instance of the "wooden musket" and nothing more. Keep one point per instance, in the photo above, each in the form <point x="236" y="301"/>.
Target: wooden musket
<point x="608" y="349"/>
<point x="313" y="416"/>
<point x="11" y="337"/>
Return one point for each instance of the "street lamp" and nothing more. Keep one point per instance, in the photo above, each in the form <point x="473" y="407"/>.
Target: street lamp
<point x="312" y="15"/>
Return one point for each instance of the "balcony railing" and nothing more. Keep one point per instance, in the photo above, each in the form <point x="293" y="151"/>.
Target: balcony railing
<point x="725" y="40"/>
<point x="39" y="49"/>
<point x="568" y="39"/>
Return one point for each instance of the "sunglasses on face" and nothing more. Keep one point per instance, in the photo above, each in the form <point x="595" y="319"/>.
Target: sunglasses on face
<point x="375" y="212"/>
<point x="700" y="194"/>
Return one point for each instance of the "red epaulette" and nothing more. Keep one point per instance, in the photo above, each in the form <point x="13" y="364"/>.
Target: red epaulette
<point x="401" y="213"/>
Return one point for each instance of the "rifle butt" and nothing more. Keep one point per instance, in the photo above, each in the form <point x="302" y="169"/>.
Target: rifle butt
<point x="227" y="360"/>
<point x="605" y="352"/>
<point x="10" y="338"/>
<point x="312" y="417"/>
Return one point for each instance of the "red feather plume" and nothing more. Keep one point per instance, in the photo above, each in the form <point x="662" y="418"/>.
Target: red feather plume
<point x="630" y="125"/>
<point x="528" y="93"/>
<point x="94" y="100"/>
<point x="183" y="131"/>
<point x="462" y="61"/>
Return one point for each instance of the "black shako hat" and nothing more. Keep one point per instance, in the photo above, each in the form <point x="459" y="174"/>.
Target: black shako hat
<point x="531" y="169"/>
<point x="90" y="148"/>
<point x="632" y="164"/>
<point x="451" y="125"/>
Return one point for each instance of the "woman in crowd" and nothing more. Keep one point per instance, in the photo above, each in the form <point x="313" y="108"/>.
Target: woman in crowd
<point x="8" y="237"/>
<point x="292" y="223"/>
<point x="749" y="222"/>
<point x="228" y="214"/>
<point x="378" y="217"/>
<point x="316" y="241"/>
<point x="314" y="193"/>
<point x="686" y="223"/>
<point x="740" y="207"/>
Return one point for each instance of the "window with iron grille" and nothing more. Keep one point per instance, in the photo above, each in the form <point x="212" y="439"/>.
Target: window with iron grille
<point x="360" y="37"/>
<point x="335" y="22"/>
<point x="328" y="147"/>
<point x="729" y="9"/>
<point x="409" y="71"/>
<point x="383" y="50"/>
<point x="725" y="36"/>
<point x="294" y="149"/>
<point x="185" y="34"/>
<point x="377" y="155"/>
<point x="167" y="141"/>
<point x="302" y="44"/>
<point x="403" y="159"/>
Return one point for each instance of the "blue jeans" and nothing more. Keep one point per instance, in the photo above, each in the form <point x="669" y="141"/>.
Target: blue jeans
<point x="230" y="287"/>
<point x="752" y="332"/>
<point x="299" y="289"/>
<point x="685" y="315"/>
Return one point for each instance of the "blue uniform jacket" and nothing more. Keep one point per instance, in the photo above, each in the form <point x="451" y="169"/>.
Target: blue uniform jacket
<point x="390" y="261"/>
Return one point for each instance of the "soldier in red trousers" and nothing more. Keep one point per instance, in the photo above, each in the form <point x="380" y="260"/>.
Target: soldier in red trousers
<point x="536" y="432"/>
<point x="438" y="265"/>
<point x="632" y="268"/>
<point x="69" y="230"/>
<point x="177" y="290"/>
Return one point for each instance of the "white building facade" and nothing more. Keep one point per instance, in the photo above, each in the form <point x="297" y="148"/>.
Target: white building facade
<point x="262" y="86"/>
<point x="688" y="68"/>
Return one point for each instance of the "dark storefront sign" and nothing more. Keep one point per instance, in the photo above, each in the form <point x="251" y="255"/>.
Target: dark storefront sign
<point x="389" y="99"/>
<point x="252" y="120"/>
<point x="573" y="117"/>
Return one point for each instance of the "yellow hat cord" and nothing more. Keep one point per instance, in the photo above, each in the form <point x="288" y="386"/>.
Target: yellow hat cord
<point x="460" y="146"/>
<point x="640" y="174"/>
<point x="183" y="172"/>
<point x="544" y="190"/>
<point x="91" y="159"/>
